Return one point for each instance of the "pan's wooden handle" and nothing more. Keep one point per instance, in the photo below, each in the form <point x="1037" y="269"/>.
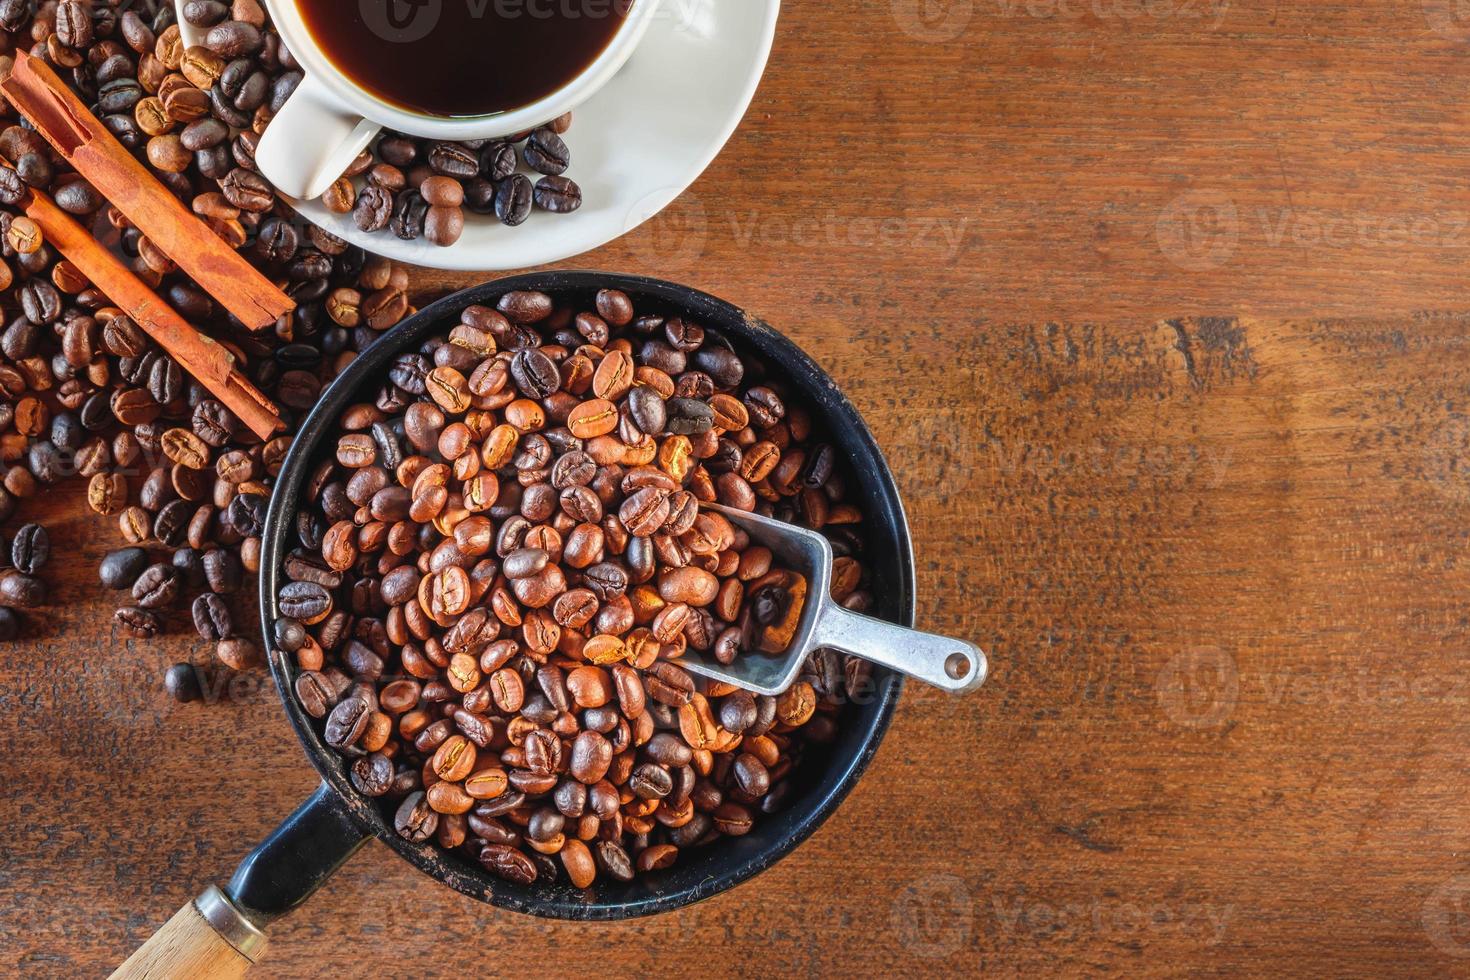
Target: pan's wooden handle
<point x="207" y="939"/>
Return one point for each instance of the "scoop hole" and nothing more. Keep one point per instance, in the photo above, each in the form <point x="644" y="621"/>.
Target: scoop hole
<point x="957" y="665"/>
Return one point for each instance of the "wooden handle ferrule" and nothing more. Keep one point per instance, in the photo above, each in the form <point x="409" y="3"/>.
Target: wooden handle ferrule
<point x="208" y="939"/>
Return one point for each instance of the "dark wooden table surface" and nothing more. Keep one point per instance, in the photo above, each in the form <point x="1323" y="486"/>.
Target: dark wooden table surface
<point x="1155" y="307"/>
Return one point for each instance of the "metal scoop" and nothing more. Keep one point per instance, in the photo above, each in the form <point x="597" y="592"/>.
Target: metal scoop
<point x="953" y="665"/>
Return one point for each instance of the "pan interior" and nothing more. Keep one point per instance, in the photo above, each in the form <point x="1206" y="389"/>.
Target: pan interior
<point x="825" y="777"/>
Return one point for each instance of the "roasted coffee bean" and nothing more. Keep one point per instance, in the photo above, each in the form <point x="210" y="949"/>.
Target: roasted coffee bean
<point x="172" y="523"/>
<point x="453" y="160"/>
<point x="233" y="39"/>
<point x="513" y="199"/>
<point x="137" y="622"/>
<point x="508" y="863"/>
<point x="409" y="213"/>
<point x="546" y="152"/>
<point x="315" y="694"/>
<point x="415" y="820"/>
<point x="305" y="601"/>
<point x="372" y="775"/>
<point x="689" y="416"/>
<point x="30" y="549"/>
<point x="212" y="618"/>
<point x="560" y="195"/>
<point x="182" y="683"/>
<point x="190" y="567"/>
<point x="288" y="634"/>
<point x="247" y="190"/>
<point x="347" y="721"/>
<point x="738" y="712"/>
<point x="13" y="189"/>
<point x="374" y="208"/>
<point x="120" y="569"/>
<point x="613" y="861"/>
<point x="246" y="513"/>
<point x="535" y="374"/>
<point x="497" y="160"/>
<point x="21" y="591"/>
<point x="157" y="586"/>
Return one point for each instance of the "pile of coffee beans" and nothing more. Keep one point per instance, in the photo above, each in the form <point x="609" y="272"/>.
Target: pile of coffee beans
<point x="413" y="187"/>
<point x="85" y="393"/>
<point x="416" y="187"/>
<point x="503" y="558"/>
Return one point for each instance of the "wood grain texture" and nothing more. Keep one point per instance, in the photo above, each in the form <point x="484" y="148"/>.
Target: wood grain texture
<point x="186" y="947"/>
<point x="1202" y="498"/>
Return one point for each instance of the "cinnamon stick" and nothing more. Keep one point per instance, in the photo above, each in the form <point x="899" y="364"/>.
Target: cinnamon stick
<point x="201" y="356"/>
<point x="79" y="136"/>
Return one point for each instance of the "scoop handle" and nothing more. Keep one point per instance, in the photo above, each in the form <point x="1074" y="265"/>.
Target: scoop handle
<point x="207" y="939"/>
<point x="947" y="663"/>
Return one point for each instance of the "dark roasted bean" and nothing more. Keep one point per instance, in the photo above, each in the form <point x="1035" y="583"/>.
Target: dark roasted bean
<point x="157" y="586"/>
<point x="134" y="621"/>
<point x="30" y="549"/>
<point x="182" y="683"/>
<point x="560" y="195"/>
<point x="212" y="618"/>
<point x="513" y="198"/>
<point x="120" y="569"/>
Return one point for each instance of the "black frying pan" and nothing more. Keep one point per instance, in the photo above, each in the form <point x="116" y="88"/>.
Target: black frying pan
<point x="220" y="932"/>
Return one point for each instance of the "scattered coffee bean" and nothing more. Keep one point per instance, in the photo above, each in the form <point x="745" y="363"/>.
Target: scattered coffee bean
<point x="138" y="622"/>
<point x="182" y="683"/>
<point x="212" y="618"/>
<point x="30" y="549"/>
<point x="121" y="568"/>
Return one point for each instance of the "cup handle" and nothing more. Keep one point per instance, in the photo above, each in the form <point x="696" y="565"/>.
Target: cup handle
<point x="311" y="141"/>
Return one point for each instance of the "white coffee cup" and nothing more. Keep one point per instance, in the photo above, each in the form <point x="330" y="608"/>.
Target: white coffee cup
<point x="330" y="119"/>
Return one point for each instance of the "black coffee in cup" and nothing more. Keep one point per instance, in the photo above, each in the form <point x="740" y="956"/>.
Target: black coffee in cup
<point x="462" y="57"/>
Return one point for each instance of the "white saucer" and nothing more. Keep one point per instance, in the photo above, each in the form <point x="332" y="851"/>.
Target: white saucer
<point x="636" y="144"/>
